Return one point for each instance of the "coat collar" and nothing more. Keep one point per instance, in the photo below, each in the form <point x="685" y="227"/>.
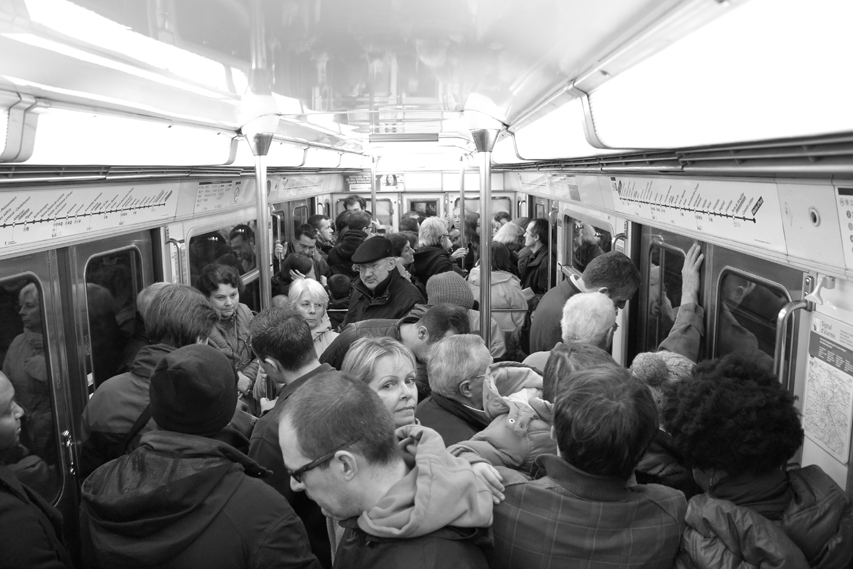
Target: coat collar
<point x="582" y="484"/>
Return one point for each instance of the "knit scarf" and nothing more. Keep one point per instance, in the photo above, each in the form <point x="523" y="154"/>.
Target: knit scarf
<point x="768" y="494"/>
<point x="34" y="339"/>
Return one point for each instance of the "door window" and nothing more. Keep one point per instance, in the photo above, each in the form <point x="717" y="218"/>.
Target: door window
<point x="383" y="213"/>
<point x="746" y="316"/>
<point x="32" y="455"/>
<point x="664" y="293"/>
<point x="429" y="208"/>
<point x="232" y="245"/>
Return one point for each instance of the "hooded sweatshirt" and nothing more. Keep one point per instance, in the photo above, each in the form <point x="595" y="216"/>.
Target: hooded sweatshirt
<point x="188" y="501"/>
<point x="505" y="293"/>
<point x="520" y="428"/>
<point x="435" y="516"/>
<point x="340" y="256"/>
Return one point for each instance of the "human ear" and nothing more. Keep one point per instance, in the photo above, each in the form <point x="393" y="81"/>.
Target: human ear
<point x="465" y="388"/>
<point x="423" y="334"/>
<point x="345" y="465"/>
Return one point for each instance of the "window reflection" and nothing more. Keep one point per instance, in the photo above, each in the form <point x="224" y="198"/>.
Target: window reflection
<point x="587" y="243"/>
<point x="230" y="245"/>
<point x="33" y="455"/>
<point x="746" y="318"/>
<point x="664" y="293"/>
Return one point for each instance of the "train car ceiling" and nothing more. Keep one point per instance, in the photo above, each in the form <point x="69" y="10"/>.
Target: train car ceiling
<point x="568" y="78"/>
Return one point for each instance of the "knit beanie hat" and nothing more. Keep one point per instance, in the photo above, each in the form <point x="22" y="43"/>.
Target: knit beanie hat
<point x="659" y="370"/>
<point x="194" y="391"/>
<point x="449" y="288"/>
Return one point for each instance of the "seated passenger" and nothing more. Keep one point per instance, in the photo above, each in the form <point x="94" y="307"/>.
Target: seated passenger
<point x="521" y="414"/>
<point x="738" y="427"/>
<point x="456" y="368"/>
<point x="505" y="289"/>
<point x="118" y="413"/>
<point x="582" y="509"/>
<point x="450" y="288"/>
<point x="187" y="497"/>
<point x="388" y="368"/>
<point x="30" y="526"/>
<point x="404" y="501"/>
<point x="222" y="286"/>
<point x="613" y="274"/>
<point x="282" y="341"/>
<point x="379" y="291"/>
<point x="588" y="318"/>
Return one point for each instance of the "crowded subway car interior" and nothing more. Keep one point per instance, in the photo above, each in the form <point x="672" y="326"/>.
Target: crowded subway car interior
<point x="146" y="140"/>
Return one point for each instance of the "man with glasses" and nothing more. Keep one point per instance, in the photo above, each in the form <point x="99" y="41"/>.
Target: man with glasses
<point x="379" y="291"/>
<point x="400" y="497"/>
<point x="305" y="243"/>
<point x="282" y="342"/>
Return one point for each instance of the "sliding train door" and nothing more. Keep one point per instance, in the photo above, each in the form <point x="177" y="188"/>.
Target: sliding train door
<point x="33" y="343"/>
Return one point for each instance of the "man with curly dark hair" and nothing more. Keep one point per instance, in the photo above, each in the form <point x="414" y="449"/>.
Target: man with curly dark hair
<point x="737" y="427"/>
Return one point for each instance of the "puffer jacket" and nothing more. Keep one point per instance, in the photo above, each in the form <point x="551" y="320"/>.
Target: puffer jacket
<point x="816" y="530"/>
<point x="186" y="501"/>
<point x="520" y="428"/>
<point x="505" y="292"/>
<point x="340" y="256"/>
<point x="437" y="516"/>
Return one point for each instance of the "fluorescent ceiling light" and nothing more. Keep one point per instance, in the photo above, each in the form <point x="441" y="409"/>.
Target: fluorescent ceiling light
<point x="404" y="137"/>
<point x="78" y="138"/>
<point x="93" y="29"/>
<point x="320" y="158"/>
<point x="559" y="134"/>
<point x="770" y="69"/>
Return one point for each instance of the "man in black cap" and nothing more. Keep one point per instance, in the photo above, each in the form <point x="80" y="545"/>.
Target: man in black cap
<point x="379" y="291"/>
<point x="187" y="497"/>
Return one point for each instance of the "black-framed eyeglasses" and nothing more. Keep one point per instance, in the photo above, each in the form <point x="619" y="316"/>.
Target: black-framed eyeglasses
<point x="299" y="472"/>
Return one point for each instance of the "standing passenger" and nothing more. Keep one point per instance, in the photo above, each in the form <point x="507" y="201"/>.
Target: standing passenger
<point x="379" y="291"/>
<point x="404" y="500"/>
<point x="583" y="512"/>
<point x="282" y="342"/>
<point x="325" y="232"/>
<point x="188" y="497"/>
<point x="533" y="259"/>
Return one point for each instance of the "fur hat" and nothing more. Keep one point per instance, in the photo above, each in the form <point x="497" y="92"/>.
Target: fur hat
<point x="373" y="249"/>
<point x="194" y="391"/>
<point x="449" y="288"/>
<point x="660" y="370"/>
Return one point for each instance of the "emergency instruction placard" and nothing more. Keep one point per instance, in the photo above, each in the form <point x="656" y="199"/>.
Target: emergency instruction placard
<point x="828" y="399"/>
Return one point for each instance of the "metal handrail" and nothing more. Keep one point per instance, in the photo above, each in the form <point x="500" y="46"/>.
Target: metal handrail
<point x="179" y="247"/>
<point x="782" y="339"/>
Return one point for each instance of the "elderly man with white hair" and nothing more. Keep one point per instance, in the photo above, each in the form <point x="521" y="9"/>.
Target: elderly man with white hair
<point x="588" y="318"/>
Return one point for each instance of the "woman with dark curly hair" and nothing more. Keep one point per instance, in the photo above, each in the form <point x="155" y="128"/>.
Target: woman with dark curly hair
<point x="738" y="427"/>
<point x="222" y="286"/>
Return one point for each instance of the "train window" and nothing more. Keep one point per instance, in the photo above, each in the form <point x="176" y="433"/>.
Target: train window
<point x="34" y="458"/>
<point x="584" y="243"/>
<point x="664" y="293"/>
<point x="383" y="214"/>
<point x="427" y="207"/>
<point x="746" y="317"/>
<point x="300" y="215"/>
<point x="499" y="204"/>
<point x="539" y="210"/>
<point x="112" y="283"/>
<point x="231" y="245"/>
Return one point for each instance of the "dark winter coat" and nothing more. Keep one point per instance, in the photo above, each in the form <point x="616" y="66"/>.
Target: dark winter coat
<point x="392" y="298"/>
<point x="30" y="528"/>
<point x="452" y="420"/>
<point x="533" y="269"/>
<point x="429" y="261"/>
<point x="340" y="256"/>
<point x="188" y="502"/>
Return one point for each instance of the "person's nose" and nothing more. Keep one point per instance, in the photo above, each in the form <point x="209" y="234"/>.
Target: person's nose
<point x="312" y="309"/>
<point x="17" y="410"/>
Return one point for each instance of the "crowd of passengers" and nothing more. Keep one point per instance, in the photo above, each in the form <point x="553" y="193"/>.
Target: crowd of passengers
<point x="395" y="437"/>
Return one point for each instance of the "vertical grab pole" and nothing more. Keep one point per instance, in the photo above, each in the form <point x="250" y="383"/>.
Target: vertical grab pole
<point x="462" y="241"/>
<point x="485" y="140"/>
<point x="373" y="184"/>
<point x="262" y="239"/>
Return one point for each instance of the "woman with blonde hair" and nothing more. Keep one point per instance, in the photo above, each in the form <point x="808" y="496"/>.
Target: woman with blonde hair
<point x="310" y="300"/>
<point x="387" y="367"/>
